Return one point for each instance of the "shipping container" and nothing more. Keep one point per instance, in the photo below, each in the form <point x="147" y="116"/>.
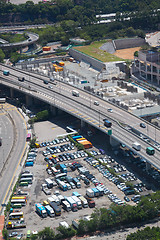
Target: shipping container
<point x="46" y="48"/>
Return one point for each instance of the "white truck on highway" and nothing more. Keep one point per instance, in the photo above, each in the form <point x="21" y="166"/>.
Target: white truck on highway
<point x="75" y="93"/>
<point x="136" y="146"/>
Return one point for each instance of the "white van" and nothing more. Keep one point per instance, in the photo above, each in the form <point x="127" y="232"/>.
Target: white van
<point x="75" y="93"/>
<point x="136" y="146"/>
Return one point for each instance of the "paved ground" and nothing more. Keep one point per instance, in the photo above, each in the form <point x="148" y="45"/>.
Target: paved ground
<point x="46" y="131"/>
<point x="153" y="39"/>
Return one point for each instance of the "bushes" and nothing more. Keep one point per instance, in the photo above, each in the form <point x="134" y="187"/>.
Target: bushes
<point x="102" y="219"/>
<point x="40" y="116"/>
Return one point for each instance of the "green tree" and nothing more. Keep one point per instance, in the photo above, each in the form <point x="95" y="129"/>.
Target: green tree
<point x="2" y="55"/>
<point x="66" y="232"/>
<point x="5" y="233"/>
<point x="46" y="234"/>
<point x="32" y="143"/>
<point x="41" y="116"/>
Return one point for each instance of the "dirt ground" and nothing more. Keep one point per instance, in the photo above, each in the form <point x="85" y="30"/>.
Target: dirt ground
<point x="127" y="53"/>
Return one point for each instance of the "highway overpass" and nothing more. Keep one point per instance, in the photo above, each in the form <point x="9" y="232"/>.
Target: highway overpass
<point x="82" y="107"/>
<point x="32" y="38"/>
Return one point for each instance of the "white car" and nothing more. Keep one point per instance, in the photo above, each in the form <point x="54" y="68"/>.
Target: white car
<point x="96" y="103"/>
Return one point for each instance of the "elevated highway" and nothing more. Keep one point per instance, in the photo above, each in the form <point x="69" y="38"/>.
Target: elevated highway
<point x="32" y="38"/>
<point x="60" y="96"/>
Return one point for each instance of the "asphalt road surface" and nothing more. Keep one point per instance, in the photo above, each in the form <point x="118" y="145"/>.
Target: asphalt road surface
<point x="15" y="133"/>
<point x="83" y="107"/>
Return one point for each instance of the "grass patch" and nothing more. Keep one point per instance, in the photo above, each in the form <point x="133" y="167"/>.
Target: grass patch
<point x="13" y="37"/>
<point x="94" y="51"/>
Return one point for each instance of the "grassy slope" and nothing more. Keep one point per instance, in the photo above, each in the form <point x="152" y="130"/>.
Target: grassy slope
<point x="94" y="51"/>
<point x="13" y="38"/>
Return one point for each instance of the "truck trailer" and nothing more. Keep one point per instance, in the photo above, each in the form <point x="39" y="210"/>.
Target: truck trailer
<point x="83" y="201"/>
<point x="50" y="211"/>
<point x="78" y="202"/>
<point x="72" y="203"/>
<point x="77" y="182"/>
<point x="56" y="208"/>
<point x="66" y="205"/>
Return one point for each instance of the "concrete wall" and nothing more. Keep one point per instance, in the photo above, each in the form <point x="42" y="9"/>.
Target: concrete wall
<point x="96" y="64"/>
<point x="128" y="43"/>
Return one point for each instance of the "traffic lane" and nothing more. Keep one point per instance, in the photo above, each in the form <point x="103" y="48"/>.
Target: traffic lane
<point x="8" y="176"/>
<point x="118" y="113"/>
<point x="6" y="132"/>
<point x="93" y="116"/>
<point x="47" y="90"/>
<point x="129" y="140"/>
<point x="94" y="119"/>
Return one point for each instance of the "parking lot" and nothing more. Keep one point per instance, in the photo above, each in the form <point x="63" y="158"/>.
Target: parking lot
<point x="113" y="185"/>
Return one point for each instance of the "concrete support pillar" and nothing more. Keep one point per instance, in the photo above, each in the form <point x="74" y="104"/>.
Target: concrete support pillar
<point x="114" y="142"/>
<point x="29" y="100"/>
<point x="60" y="112"/>
<point x="148" y="166"/>
<point x="54" y="110"/>
<point x="12" y="92"/>
<point x="83" y="124"/>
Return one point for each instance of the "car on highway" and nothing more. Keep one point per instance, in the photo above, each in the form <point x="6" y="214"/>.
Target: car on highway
<point x="45" y="81"/>
<point x="142" y="125"/>
<point x="96" y="103"/>
<point x="110" y="110"/>
<point x="21" y="79"/>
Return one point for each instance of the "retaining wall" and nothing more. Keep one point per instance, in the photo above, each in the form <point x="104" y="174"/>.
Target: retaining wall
<point x="79" y="56"/>
<point x="128" y="43"/>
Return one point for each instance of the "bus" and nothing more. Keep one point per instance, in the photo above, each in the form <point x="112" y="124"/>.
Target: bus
<point x="107" y="123"/>
<point x="61" y="175"/>
<point x="16" y="206"/>
<point x="16" y="215"/>
<point x="28" y="138"/>
<point x="29" y="180"/>
<point x="18" y="201"/>
<point x="2" y="100"/>
<point x="150" y="151"/>
<point x="26" y="175"/>
<point x="19" y="197"/>
<point x="23" y="184"/>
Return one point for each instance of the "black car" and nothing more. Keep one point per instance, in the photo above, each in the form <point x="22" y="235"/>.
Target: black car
<point x="86" y="181"/>
<point x="142" y="125"/>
